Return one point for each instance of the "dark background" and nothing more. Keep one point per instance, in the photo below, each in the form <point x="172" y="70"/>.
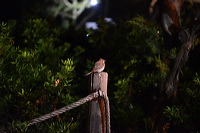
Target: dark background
<point x="126" y="9"/>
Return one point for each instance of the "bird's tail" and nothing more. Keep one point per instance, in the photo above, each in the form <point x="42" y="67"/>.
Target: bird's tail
<point x="88" y="73"/>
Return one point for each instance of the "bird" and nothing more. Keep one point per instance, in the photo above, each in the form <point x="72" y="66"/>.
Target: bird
<point x="171" y="15"/>
<point x="98" y="67"/>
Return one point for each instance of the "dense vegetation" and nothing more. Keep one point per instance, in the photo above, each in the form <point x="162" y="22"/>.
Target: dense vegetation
<point x="42" y="68"/>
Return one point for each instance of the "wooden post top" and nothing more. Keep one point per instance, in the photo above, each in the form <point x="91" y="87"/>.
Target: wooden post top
<point x="97" y="115"/>
<point x="99" y="82"/>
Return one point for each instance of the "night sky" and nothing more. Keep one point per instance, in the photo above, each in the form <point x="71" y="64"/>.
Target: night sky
<point x="126" y="9"/>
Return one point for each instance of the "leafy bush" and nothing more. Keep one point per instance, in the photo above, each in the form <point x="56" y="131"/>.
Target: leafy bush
<point x="138" y="61"/>
<point x="42" y="68"/>
<point x="36" y="76"/>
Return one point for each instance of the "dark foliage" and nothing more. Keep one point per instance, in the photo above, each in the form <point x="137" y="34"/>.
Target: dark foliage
<point x="35" y="56"/>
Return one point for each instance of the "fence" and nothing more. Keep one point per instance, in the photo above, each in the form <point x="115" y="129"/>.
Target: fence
<point x="99" y="110"/>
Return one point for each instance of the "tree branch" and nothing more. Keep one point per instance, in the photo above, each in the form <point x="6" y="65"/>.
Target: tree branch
<point x="170" y="85"/>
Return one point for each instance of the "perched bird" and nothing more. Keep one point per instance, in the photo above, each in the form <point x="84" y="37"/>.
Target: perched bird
<point x="98" y="67"/>
<point x="171" y="15"/>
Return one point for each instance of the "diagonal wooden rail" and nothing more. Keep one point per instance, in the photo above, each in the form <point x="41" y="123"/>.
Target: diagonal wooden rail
<point x="99" y="109"/>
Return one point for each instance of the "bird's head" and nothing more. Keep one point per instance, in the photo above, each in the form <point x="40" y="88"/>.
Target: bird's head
<point x="102" y="60"/>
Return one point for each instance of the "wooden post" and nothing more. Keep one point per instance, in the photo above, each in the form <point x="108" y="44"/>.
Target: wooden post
<point x="97" y="116"/>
